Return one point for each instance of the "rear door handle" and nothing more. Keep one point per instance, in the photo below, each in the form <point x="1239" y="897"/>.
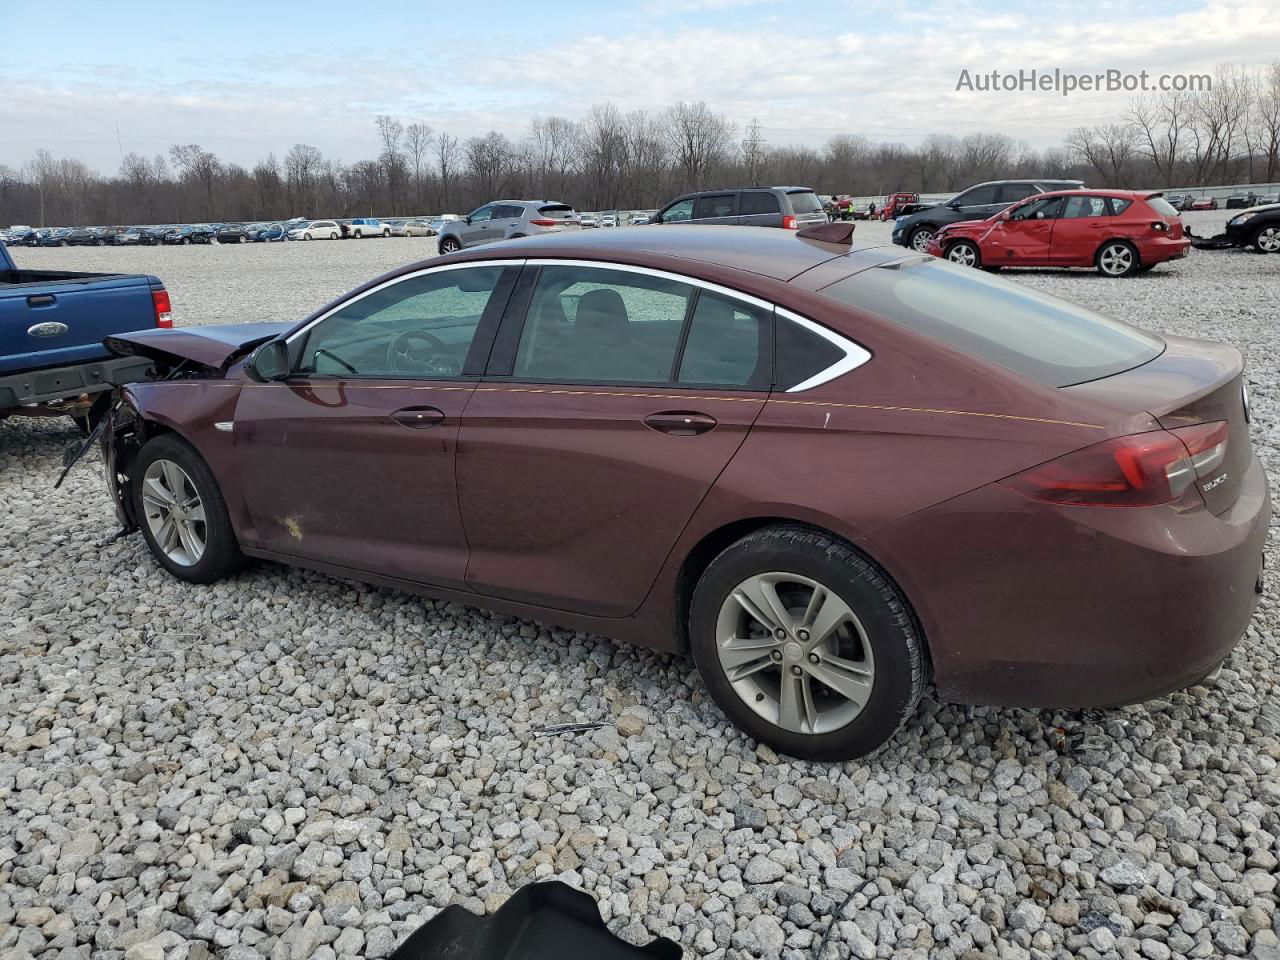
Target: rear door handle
<point x="41" y="300"/>
<point x="418" y="418"/>
<point x="680" y="423"/>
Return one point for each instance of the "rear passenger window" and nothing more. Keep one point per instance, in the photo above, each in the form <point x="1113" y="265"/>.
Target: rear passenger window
<point x="716" y="205"/>
<point x="1010" y="192"/>
<point x="1078" y="207"/>
<point x="758" y="202"/>
<point x="1119" y="206"/>
<point x="727" y="344"/>
<point x="602" y="326"/>
<point x="800" y="354"/>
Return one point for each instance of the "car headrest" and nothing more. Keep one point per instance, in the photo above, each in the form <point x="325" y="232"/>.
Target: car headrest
<point x="602" y="319"/>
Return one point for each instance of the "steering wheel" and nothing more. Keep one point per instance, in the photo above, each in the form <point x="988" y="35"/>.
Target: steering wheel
<point x="416" y="351"/>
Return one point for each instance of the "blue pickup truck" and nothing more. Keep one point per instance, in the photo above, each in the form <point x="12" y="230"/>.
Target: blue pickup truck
<point x="52" y="324"/>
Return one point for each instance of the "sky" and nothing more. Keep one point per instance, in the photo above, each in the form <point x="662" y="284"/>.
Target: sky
<point x="96" y="80"/>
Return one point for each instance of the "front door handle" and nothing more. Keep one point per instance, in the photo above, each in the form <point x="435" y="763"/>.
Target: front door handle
<point x="418" y="418"/>
<point x="680" y="423"/>
<point x="41" y="300"/>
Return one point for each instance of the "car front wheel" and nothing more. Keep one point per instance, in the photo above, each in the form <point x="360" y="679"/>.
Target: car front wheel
<point x="450" y="245"/>
<point x="806" y="645"/>
<point x="921" y="237"/>
<point x="1118" y="259"/>
<point x="964" y="253"/>
<point x="180" y="509"/>
<point x="1267" y="240"/>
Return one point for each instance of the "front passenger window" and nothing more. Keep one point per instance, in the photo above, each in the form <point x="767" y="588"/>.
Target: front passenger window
<point x="421" y="327"/>
<point x="679" y="211"/>
<point x="483" y="215"/>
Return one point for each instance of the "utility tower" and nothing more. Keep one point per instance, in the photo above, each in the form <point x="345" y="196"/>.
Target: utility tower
<point x="753" y="151"/>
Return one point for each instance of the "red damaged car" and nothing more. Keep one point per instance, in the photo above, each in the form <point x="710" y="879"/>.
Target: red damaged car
<point x="832" y="474"/>
<point x="1117" y="232"/>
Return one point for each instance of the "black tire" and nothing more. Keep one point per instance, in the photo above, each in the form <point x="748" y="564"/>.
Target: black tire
<point x="925" y="230"/>
<point x="450" y="245"/>
<point x="961" y="248"/>
<point x="1264" y="237"/>
<point x="898" y="649"/>
<point x="222" y="556"/>
<point x="1134" y="262"/>
<point x="515" y="236"/>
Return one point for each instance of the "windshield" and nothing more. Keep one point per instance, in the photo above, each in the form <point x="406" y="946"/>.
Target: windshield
<point x="1053" y="341"/>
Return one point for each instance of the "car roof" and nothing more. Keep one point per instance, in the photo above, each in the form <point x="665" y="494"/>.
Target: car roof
<point x="1100" y="192"/>
<point x="766" y="251"/>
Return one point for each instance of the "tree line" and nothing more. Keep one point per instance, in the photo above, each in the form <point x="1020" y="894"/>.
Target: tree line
<point x="612" y="159"/>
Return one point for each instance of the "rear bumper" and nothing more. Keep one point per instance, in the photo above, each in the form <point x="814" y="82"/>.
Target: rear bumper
<point x="1024" y="604"/>
<point x="34" y="388"/>
<point x="1161" y="249"/>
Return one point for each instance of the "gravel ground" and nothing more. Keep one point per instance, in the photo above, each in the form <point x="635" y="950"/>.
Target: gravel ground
<point x="290" y="766"/>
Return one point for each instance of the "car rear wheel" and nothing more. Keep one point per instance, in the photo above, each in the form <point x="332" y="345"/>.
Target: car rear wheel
<point x="450" y="245"/>
<point x="921" y="237"/>
<point x="181" y="512"/>
<point x="964" y="253"/>
<point x="806" y="645"/>
<point x="1267" y="240"/>
<point x="1117" y="258"/>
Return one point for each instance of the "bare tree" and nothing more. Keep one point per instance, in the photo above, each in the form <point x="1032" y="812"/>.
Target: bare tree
<point x="1107" y="149"/>
<point x="390" y="132"/>
<point x="302" y="166"/>
<point x="699" y="139"/>
<point x="198" y="166"/>
<point x="1264" y="124"/>
<point x="418" y="142"/>
<point x="448" y="159"/>
<point x="488" y="162"/>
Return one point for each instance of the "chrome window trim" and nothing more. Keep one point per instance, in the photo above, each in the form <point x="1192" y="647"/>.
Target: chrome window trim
<point x="855" y="355"/>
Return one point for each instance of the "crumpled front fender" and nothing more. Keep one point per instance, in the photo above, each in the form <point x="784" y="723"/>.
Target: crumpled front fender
<point x="122" y="438"/>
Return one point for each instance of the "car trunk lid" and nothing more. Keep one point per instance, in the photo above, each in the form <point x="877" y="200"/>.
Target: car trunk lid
<point x="1192" y="382"/>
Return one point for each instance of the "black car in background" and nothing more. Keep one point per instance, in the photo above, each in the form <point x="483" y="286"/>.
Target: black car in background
<point x="1258" y="227"/>
<point x="84" y="237"/>
<point x="977" y="203"/>
<point x="189" y="234"/>
<point x="233" y="233"/>
<point x="52" y="238"/>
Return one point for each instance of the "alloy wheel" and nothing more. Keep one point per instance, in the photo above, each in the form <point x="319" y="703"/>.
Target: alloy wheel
<point x="965" y="254"/>
<point x="1268" y="240"/>
<point x="921" y="239"/>
<point x="1116" y="259"/>
<point x="174" y="512"/>
<point x="795" y="653"/>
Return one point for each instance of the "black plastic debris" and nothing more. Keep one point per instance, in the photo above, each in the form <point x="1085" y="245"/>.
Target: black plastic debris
<point x="541" y="921"/>
<point x="1221" y="242"/>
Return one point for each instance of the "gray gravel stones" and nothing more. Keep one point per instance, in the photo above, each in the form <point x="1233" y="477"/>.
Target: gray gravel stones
<point x="287" y="766"/>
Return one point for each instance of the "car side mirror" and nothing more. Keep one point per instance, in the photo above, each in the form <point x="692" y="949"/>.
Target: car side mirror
<point x="467" y="220"/>
<point x="953" y="205"/>
<point x="269" y="362"/>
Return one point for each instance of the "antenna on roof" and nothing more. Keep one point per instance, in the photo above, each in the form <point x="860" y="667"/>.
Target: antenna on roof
<point x="840" y="232"/>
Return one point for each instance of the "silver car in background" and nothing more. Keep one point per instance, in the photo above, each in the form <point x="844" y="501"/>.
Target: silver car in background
<point x="505" y="219"/>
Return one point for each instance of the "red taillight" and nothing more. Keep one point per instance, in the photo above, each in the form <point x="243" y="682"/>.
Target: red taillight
<point x="545" y="223"/>
<point x="1141" y="470"/>
<point x="788" y="222"/>
<point x="160" y="300"/>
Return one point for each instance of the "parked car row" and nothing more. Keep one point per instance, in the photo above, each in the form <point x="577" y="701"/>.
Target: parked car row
<point x="233" y="232"/>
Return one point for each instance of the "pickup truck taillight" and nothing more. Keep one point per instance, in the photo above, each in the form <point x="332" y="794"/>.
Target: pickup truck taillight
<point x="160" y="298"/>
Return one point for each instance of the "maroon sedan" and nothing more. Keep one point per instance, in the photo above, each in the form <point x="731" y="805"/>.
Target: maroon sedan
<point x="832" y="474"/>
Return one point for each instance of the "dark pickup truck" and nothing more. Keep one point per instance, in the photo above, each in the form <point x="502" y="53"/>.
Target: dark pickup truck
<point x="52" y="324"/>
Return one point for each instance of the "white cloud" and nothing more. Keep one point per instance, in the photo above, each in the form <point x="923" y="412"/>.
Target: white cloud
<point x="804" y="81"/>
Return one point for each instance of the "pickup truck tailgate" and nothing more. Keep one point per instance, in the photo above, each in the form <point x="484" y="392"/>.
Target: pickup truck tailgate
<point x="50" y="324"/>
